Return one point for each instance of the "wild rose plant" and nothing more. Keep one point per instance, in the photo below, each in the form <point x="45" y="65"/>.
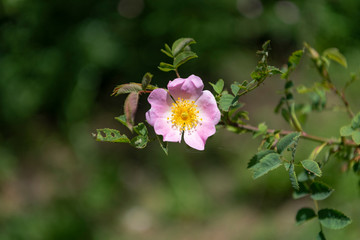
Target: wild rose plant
<point x="185" y="110"/>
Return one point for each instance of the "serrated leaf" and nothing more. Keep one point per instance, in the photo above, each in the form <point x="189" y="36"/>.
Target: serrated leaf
<point x="292" y="176"/>
<point x="126" y="88"/>
<point x="226" y="101"/>
<point x="335" y="55"/>
<point x="166" y="67"/>
<point x="320" y="191"/>
<point x="302" y="192"/>
<point x="111" y="135"/>
<point x="183" y="57"/>
<point x="320" y="236"/>
<point x="286" y="141"/>
<point x="219" y="86"/>
<point x="235" y="88"/>
<point x="304" y="214"/>
<point x="267" y="163"/>
<point x="130" y="108"/>
<point x="333" y="219"/>
<point x="258" y="156"/>
<point x="312" y="166"/>
<point x="139" y="141"/>
<point x="356" y="137"/>
<point x="346" y="131"/>
<point x="180" y="44"/>
<point x="146" y="80"/>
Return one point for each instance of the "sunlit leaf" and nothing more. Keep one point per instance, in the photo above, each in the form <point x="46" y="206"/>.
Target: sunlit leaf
<point x="226" y="101"/>
<point x="356" y="137"/>
<point x="335" y="55"/>
<point x="166" y="67"/>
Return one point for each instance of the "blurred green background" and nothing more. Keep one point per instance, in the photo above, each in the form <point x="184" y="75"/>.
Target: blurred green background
<point x="60" y="60"/>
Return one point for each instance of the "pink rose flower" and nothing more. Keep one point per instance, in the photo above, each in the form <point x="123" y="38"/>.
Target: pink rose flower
<point x="184" y="110"/>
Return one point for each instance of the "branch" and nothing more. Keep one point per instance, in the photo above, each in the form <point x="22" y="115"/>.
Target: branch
<point x="328" y="141"/>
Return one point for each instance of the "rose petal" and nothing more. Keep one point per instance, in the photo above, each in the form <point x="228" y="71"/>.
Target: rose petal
<point x="189" y="88"/>
<point x="164" y="127"/>
<point x="197" y="139"/>
<point x="161" y="102"/>
<point x="208" y="109"/>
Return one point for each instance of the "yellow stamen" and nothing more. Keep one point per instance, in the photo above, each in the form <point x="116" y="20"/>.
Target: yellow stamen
<point x="184" y="115"/>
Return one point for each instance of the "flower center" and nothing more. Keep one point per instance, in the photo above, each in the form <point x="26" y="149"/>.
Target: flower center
<point x="184" y="115"/>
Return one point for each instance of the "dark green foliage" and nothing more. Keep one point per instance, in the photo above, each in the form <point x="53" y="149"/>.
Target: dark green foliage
<point x="320" y="191"/>
<point x="304" y="214"/>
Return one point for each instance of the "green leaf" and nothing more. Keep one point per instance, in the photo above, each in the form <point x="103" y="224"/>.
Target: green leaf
<point x="355" y="122"/>
<point x="267" y="163"/>
<point x="139" y="141"/>
<point x="180" y="44"/>
<point x="292" y="175"/>
<point x="304" y="214"/>
<point x="262" y="128"/>
<point x="356" y="137"/>
<point x="258" y="156"/>
<point x="130" y="107"/>
<point x="302" y="192"/>
<point x="335" y="55"/>
<point x="219" y="86"/>
<point x="320" y="236"/>
<point x="146" y="80"/>
<point x="235" y="87"/>
<point x="295" y="58"/>
<point x="183" y="57"/>
<point x="312" y="166"/>
<point x="111" y="135"/>
<point x="333" y="219"/>
<point x="141" y="129"/>
<point x="320" y="191"/>
<point x="316" y="151"/>
<point x="167" y="51"/>
<point x="273" y="70"/>
<point x="226" y="101"/>
<point x="346" y="131"/>
<point x="122" y="119"/>
<point x="286" y="141"/>
<point x="303" y="177"/>
<point x="126" y="88"/>
<point x="166" y="67"/>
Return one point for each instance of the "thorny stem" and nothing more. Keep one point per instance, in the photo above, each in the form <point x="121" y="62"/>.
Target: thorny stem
<point x="304" y="135"/>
